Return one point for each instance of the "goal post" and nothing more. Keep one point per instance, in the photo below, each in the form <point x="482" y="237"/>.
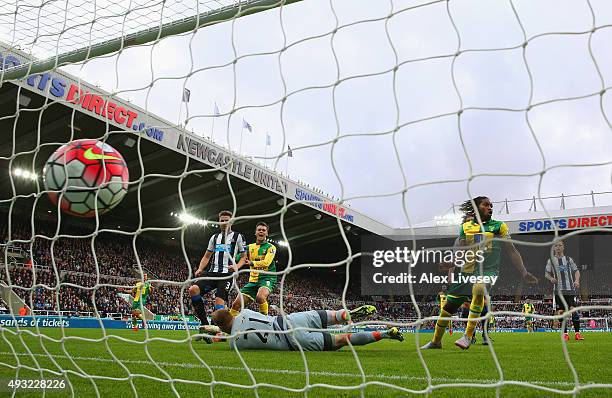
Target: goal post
<point x="223" y="14"/>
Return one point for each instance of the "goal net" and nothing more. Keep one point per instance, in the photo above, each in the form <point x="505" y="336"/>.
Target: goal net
<point x="128" y="127"/>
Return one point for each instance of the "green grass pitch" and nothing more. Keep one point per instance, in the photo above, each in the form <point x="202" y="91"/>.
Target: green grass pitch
<point x="537" y="358"/>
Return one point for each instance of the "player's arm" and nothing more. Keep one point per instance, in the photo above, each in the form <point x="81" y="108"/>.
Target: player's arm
<point x="576" y="273"/>
<point x="244" y="255"/>
<point x="265" y="263"/>
<point x="515" y="256"/>
<point x="206" y="257"/>
<point x="548" y="273"/>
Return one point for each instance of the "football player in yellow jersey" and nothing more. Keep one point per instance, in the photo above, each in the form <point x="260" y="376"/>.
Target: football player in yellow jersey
<point x="260" y="257"/>
<point x="140" y="294"/>
<point x="528" y="309"/>
<point x="489" y="236"/>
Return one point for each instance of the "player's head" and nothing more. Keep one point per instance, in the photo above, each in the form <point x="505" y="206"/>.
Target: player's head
<point x="223" y="319"/>
<point x="144" y="277"/>
<point x="443" y="288"/>
<point x="224" y="218"/>
<point x="483" y="205"/>
<point x="261" y="231"/>
<point x="559" y="248"/>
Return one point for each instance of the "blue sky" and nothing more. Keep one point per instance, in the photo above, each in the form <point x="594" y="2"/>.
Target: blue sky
<point x="370" y="99"/>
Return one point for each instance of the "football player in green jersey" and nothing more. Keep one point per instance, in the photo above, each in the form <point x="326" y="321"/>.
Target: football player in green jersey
<point x="528" y="309"/>
<point x="140" y="294"/>
<point x="488" y="235"/>
<point x="260" y="257"/>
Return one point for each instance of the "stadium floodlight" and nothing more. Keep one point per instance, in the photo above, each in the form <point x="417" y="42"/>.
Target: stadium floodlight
<point x="188" y="219"/>
<point x="25" y="174"/>
<point x="318" y="216"/>
<point x="219" y="176"/>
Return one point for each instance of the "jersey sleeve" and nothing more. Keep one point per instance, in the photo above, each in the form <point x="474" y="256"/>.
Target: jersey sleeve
<point x="572" y="264"/>
<point x="461" y="232"/>
<point x="503" y="231"/>
<point x="265" y="263"/>
<point x="240" y="244"/>
<point x="211" y="244"/>
<point x="548" y="269"/>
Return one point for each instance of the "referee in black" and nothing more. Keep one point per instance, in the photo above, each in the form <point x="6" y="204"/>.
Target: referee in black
<point x="219" y="263"/>
<point x="563" y="273"/>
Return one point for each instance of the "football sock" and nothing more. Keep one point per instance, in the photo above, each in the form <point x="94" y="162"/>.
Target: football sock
<point x="366" y="337"/>
<point x="475" y="310"/>
<point x="441" y="325"/>
<point x="339" y="316"/>
<point x="576" y="322"/>
<point x="483" y="323"/>
<point x="198" y="306"/>
<point x="263" y="308"/>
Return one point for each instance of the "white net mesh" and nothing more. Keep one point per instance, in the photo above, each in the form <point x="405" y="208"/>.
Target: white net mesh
<point x="395" y="108"/>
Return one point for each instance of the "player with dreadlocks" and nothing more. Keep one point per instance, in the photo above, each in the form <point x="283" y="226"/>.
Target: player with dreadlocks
<point x="479" y="232"/>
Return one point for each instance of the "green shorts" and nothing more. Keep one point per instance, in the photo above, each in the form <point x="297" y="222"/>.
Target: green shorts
<point x="136" y="306"/>
<point x="460" y="292"/>
<point x="251" y="288"/>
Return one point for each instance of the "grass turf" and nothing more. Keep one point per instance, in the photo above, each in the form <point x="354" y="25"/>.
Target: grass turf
<point x="203" y="370"/>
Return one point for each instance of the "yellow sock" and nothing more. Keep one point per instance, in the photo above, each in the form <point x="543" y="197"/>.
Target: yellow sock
<point x="475" y="309"/>
<point x="441" y="325"/>
<point x="263" y="308"/>
<point x="234" y="312"/>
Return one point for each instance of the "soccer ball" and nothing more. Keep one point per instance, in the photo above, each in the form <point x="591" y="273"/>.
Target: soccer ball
<point x="85" y="168"/>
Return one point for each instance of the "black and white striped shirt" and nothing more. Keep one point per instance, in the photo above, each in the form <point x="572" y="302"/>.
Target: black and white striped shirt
<point x="563" y="270"/>
<point x="224" y="247"/>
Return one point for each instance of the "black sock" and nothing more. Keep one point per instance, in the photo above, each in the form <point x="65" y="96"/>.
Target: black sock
<point x="198" y="306"/>
<point x="576" y="322"/>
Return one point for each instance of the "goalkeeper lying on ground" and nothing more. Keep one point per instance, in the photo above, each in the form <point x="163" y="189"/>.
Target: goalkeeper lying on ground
<point x="252" y="330"/>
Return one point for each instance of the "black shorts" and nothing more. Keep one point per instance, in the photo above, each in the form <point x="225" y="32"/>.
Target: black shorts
<point x="570" y="299"/>
<point x="221" y="286"/>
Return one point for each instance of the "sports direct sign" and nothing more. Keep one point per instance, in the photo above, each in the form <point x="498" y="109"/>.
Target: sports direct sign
<point x="566" y="223"/>
<point x="59" y="88"/>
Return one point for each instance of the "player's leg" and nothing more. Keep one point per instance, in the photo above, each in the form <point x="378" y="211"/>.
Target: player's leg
<point x="262" y="299"/>
<point x="355" y="315"/>
<point x="266" y="286"/>
<point x="476" y="307"/>
<point x="195" y="291"/>
<point x="575" y="317"/>
<point x="483" y="325"/>
<point x="222" y="293"/>
<point x="452" y="304"/>
<point x="363" y="338"/>
<point x="246" y="296"/>
<point x="134" y="319"/>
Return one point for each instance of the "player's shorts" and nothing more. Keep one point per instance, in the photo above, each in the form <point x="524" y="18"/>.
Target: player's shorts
<point x="136" y="306"/>
<point x="309" y="340"/>
<point x="221" y="286"/>
<point x="460" y="292"/>
<point x="570" y="299"/>
<point x="251" y="288"/>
